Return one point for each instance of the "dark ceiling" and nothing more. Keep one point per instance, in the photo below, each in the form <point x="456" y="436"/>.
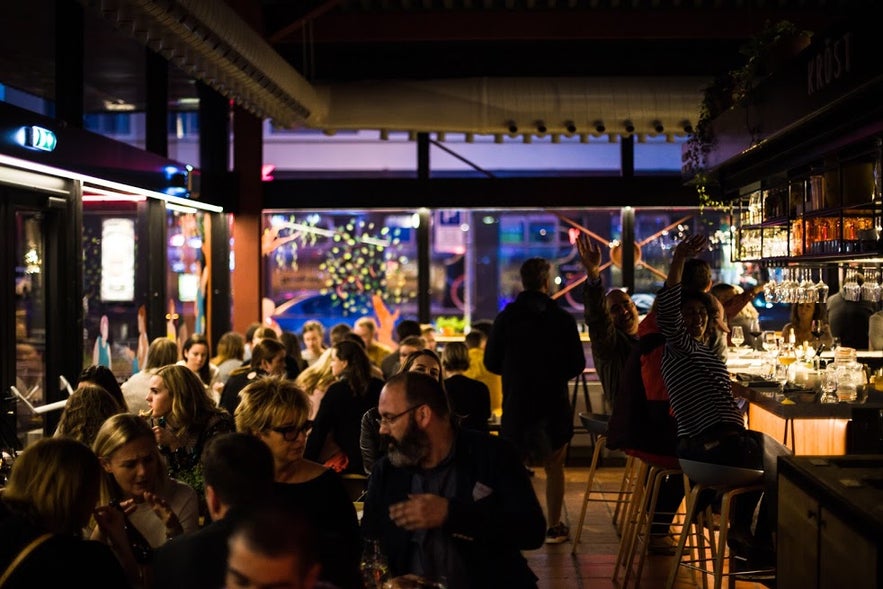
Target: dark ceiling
<point x="333" y="41"/>
<point x="339" y="40"/>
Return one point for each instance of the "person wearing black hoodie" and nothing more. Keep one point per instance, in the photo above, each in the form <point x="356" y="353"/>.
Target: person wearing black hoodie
<point x="535" y="346"/>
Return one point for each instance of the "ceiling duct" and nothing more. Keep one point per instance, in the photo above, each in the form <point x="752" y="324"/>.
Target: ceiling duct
<point x="495" y="105"/>
<point x="208" y="40"/>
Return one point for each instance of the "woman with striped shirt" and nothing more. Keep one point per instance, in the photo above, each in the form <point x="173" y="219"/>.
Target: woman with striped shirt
<point x="710" y="424"/>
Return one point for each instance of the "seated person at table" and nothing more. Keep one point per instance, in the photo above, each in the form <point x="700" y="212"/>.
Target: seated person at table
<point x="446" y="502"/>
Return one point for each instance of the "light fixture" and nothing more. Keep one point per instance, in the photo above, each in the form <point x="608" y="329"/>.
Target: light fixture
<point x="599" y="127"/>
<point x="512" y="127"/>
<point x="109" y="184"/>
<point x="541" y="127"/>
<point x="570" y="127"/>
<point x="629" y="127"/>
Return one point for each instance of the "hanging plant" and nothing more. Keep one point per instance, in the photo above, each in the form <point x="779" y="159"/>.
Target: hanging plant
<point x="765" y="52"/>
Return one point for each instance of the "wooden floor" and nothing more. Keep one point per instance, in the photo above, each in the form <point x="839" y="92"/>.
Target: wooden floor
<point x="592" y="566"/>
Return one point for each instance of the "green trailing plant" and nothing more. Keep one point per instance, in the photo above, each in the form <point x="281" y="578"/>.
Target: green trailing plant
<point x="769" y="49"/>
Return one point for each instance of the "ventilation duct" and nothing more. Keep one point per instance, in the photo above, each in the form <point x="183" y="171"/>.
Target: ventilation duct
<point x="209" y="41"/>
<point x="565" y="106"/>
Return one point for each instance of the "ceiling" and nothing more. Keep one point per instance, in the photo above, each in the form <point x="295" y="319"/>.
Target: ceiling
<point x="445" y="66"/>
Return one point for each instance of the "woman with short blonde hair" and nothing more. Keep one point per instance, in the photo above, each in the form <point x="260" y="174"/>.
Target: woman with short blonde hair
<point x="277" y="412"/>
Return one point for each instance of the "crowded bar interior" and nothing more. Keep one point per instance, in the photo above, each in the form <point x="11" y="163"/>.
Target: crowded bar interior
<point x="183" y="170"/>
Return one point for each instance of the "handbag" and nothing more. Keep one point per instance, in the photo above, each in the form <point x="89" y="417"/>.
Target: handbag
<point x="23" y="555"/>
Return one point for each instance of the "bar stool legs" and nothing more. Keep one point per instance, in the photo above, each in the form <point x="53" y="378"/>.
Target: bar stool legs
<point x="587" y="496"/>
<point x="639" y="516"/>
<point x="717" y="546"/>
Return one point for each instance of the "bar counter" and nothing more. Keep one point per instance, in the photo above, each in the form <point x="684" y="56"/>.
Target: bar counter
<point x="814" y="428"/>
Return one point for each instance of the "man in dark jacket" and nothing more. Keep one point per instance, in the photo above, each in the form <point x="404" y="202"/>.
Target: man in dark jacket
<point x="535" y="346"/>
<point x="239" y="474"/>
<point x="446" y="503"/>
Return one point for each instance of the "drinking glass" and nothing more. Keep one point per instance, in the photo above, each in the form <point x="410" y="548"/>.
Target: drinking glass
<point x="768" y="341"/>
<point x="787" y="357"/>
<point x="736" y="336"/>
<point x="829" y="387"/>
<point x="754" y="331"/>
<point x="822" y="289"/>
<point x="817" y="328"/>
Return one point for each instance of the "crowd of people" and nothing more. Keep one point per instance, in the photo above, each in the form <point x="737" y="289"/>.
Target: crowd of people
<point x="236" y="469"/>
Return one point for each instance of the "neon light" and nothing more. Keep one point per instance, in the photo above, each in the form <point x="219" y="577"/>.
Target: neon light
<point x="111" y="198"/>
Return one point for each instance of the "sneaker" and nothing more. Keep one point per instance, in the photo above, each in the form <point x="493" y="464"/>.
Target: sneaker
<point x="662" y="545"/>
<point x="557" y="534"/>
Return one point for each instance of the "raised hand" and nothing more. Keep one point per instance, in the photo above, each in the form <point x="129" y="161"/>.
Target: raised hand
<point x="590" y="254"/>
<point x="162" y="510"/>
<point x="691" y="246"/>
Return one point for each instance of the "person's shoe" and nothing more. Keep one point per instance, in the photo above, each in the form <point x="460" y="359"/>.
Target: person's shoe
<point x="662" y="545"/>
<point x="557" y="534"/>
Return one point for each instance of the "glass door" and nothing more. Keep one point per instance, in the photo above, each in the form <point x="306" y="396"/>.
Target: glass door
<point x="23" y="257"/>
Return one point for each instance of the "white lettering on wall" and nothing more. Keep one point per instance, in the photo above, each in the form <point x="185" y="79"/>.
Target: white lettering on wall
<point x="829" y="64"/>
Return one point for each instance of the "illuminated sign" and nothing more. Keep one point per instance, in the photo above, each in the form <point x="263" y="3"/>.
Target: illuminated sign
<point x="37" y="138"/>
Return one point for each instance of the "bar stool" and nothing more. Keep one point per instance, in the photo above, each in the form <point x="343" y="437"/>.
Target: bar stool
<point x="596" y="426"/>
<point x="652" y="471"/>
<point x="730" y="482"/>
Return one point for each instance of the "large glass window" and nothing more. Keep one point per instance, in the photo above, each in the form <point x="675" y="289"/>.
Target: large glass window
<point x="338" y="266"/>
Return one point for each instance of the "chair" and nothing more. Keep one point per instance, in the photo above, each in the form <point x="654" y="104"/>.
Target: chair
<point x="730" y="482"/>
<point x="635" y="540"/>
<point x="596" y="426"/>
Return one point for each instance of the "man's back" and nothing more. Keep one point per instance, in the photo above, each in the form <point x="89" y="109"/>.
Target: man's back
<point x="535" y="347"/>
<point x="195" y="561"/>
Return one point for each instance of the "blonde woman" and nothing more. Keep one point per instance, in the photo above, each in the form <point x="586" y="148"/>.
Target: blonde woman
<point x="184" y="418"/>
<point x="53" y="489"/>
<point x="277" y="412"/>
<point x="315" y="380"/>
<point x="136" y="480"/>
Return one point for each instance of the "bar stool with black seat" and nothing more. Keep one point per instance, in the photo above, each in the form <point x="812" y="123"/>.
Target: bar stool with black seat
<point x="730" y="482"/>
<point x="596" y="426"/>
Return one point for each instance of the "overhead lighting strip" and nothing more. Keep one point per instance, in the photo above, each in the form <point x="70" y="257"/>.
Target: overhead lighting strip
<point x="101" y="182"/>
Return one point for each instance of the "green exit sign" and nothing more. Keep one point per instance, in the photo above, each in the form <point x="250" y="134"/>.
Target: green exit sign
<point x="38" y="138"/>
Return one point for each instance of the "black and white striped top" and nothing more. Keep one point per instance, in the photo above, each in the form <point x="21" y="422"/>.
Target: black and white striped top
<point x="697" y="380"/>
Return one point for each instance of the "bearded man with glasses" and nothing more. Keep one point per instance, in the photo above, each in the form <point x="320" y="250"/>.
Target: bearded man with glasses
<point x="447" y="504"/>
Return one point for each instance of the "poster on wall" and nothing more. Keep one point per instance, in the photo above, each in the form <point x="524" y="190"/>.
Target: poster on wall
<point x="117" y="260"/>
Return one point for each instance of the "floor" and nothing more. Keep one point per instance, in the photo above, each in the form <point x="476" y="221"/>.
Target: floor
<point x="592" y="566"/>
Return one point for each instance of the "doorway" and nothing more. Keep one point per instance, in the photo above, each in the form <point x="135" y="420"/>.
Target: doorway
<point x="28" y="256"/>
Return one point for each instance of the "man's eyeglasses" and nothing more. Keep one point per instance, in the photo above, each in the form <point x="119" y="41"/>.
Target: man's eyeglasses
<point x="291" y="432"/>
<point x="388" y="420"/>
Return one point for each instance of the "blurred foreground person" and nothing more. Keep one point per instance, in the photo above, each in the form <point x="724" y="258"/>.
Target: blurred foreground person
<point x="238" y="475"/>
<point x="273" y="548"/>
<point x="52" y="491"/>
